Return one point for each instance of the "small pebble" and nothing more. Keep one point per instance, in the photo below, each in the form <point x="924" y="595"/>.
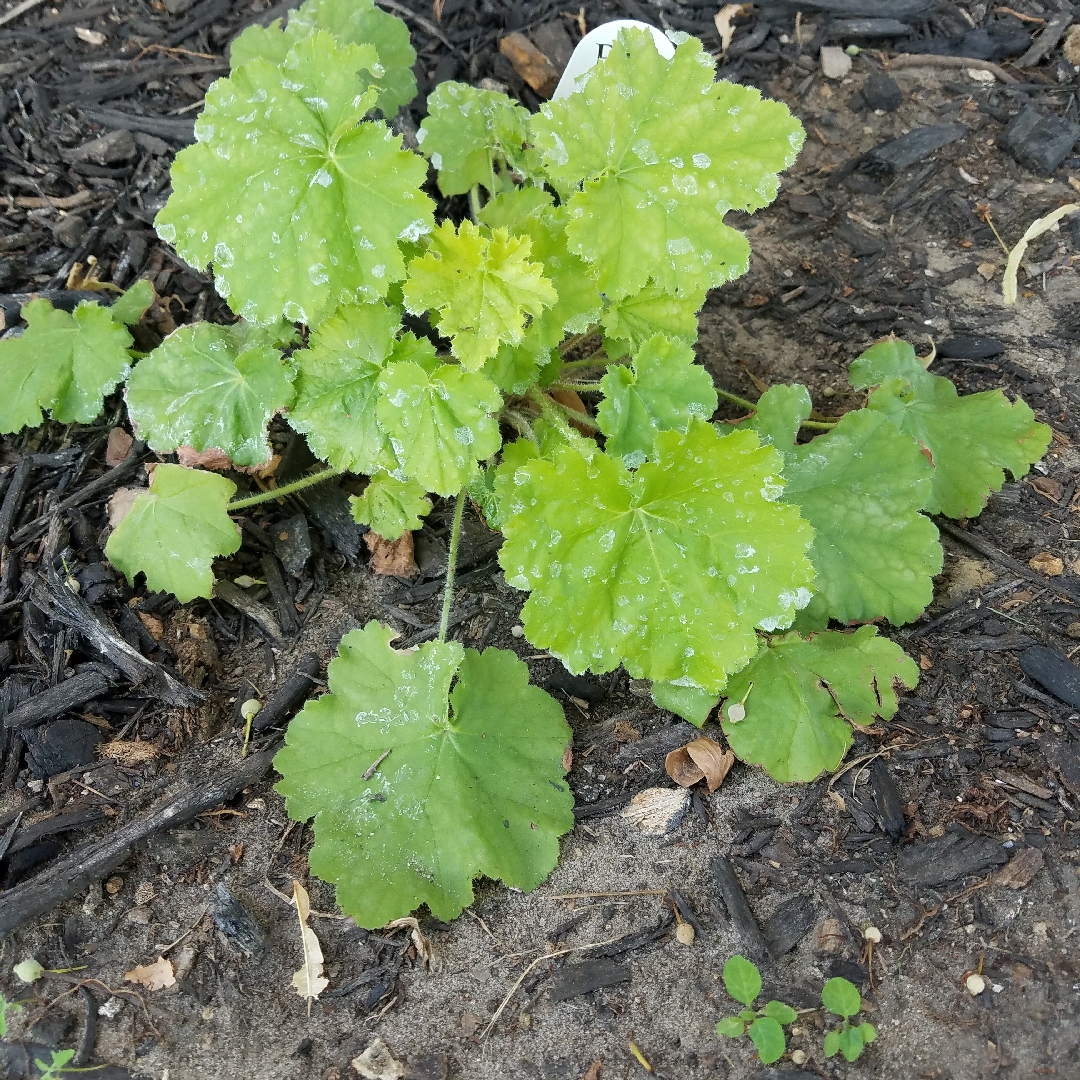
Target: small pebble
<point x="798" y="1057"/>
<point x="517" y="631"/>
<point x="975" y="984"/>
<point x="114" y="885"/>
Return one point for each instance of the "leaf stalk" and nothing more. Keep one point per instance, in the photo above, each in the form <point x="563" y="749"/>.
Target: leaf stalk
<point x="285" y="489"/>
<point x="451" y="566"/>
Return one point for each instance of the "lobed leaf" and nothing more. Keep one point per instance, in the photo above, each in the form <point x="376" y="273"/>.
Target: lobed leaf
<point x="310" y="202"/>
<point x="688" y="702"/>
<point x="391" y="507"/>
<point x="799" y="695"/>
<point x="483" y="289"/>
<point x="651" y="154"/>
<point x="971" y="440"/>
<point x="337" y="385"/>
<point x="630" y="322"/>
<point x="439" y="422"/>
<point x="668" y="569"/>
<point x="473" y="782"/>
<point x="357" y="22"/>
<point x="742" y="980"/>
<point x="768" y="1036"/>
<point x="468" y="131"/>
<point x="130" y="306"/>
<point x="63" y="363"/>
<point x="212" y="387"/>
<point x="173" y="532"/>
<point x="663" y="390"/>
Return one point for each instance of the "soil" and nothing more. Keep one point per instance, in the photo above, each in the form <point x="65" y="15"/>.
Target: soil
<point x="979" y="753"/>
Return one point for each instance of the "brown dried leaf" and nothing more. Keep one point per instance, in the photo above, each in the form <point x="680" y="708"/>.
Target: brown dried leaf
<point x="377" y="1063"/>
<point x="416" y="936"/>
<point x="309" y="980"/>
<point x="594" y="1071"/>
<point x="154" y="626"/>
<point x="155" y="976"/>
<point x="1019" y="871"/>
<point x="120" y="504"/>
<point x="1048" y="488"/>
<point x="682" y="769"/>
<point x="713" y="762"/>
<point x="213" y="459"/>
<point x="118" y="447"/>
<point x="722" y="20"/>
<point x="530" y="63"/>
<point x="1045" y="563"/>
<point x="625" y="732"/>
<point x="568" y="757"/>
<point x="392" y="557"/>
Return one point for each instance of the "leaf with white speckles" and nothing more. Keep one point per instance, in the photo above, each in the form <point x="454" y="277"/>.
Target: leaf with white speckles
<point x="483" y="289"/>
<point x="798" y="696"/>
<point x="357" y="22"/>
<point x="630" y="322"/>
<point x="472" y="135"/>
<point x="468" y="782"/>
<point x="212" y="387"/>
<point x="663" y="390"/>
<point x="310" y="201"/>
<point x="174" y="530"/>
<point x="667" y="569"/>
<point x="391" y="507"/>
<point x="440" y="422"/>
<point x="651" y="154"/>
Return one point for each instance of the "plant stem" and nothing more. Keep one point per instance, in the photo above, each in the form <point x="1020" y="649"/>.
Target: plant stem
<point x="819" y="425"/>
<point x="736" y="400"/>
<point x="550" y="413"/>
<point x="285" y="489"/>
<point x="576" y="339"/>
<point x="474" y="203"/>
<point x="451" y="566"/>
<point x="577" y="417"/>
<point x="524" y="428"/>
<point x="577" y="387"/>
<point x="598" y="359"/>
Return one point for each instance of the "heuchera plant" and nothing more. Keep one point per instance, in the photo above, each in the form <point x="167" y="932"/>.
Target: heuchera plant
<point x="709" y="558"/>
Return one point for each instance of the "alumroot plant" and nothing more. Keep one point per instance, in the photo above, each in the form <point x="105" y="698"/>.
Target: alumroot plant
<point x="709" y="558"/>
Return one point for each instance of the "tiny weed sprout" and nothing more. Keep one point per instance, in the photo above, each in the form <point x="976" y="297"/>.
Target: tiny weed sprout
<point x="51" y="1070"/>
<point x="532" y="357"/>
<point x="842" y="999"/>
<point x="764" y="1026"/>
<point x="5" y="1008"/>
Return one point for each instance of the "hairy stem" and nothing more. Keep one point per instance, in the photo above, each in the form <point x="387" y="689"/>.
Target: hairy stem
<point x="577" y="387"/>
<point x="736" y="400"/>
<point x="474" y="203"/>
<point x="576" y="339"/>
<point x="598" y="359"/>
<point x="521" y="425"/>
<point x="285" y="489"/>
<point x="451" y="566"/>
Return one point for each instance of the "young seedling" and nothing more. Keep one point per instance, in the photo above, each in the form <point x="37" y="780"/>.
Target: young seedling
<point x="5" y="1008"/>
<point x="51" y="1070"/>
<point x="764" y="1026"/>
<point x="842" y="999"/>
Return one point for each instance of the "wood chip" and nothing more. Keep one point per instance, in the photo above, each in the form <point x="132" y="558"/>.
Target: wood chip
<point x="1019" y="872"/>
<point x="392" y="557"/>
<point x="67" y="202"/>
<point x="530" y="63"/>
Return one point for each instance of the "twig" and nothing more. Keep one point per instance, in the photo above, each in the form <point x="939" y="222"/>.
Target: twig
<point x="19" y="9"/>
<point x="425" y="24"/>
<point x="369" y="772"/>
<point x="907" y="60"/>
<point x="521" y="977"/>
<point x="962" y="895"/>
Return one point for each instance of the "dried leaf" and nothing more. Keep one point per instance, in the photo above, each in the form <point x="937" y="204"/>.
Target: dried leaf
<point x="118" y="446"/>
<point x="658" y="811"/>
<point x="91" y="37"/>
<point x="530" y="63"/>
<point x="309" y="980"/>
<point x="1019" y="871"/>
<point x="377" y="1063"/>
<point x="392" y="557"/>
<point x="1045" y="563"/>
<point x="420" y="943"/>
<point x="594" y="1071"/>
<point x="713" y="762"/>
<point x="1035" y="230"/>
<point x="682" y="769"/>
<point x="212" y="458"/>
<point x="155" y="976"/>
<point x="723" y="18"/>
<point x="154" y="626"/>
<point x="121" y="502"/>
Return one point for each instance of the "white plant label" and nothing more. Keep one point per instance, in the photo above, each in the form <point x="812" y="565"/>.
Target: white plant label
<point x="593" y="47"/>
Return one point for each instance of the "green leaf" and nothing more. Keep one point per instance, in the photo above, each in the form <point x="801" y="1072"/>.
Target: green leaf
<point x="635" y="319"/>
<point x="211" y="387"/>
<point x="805" y="692"/>
<point x="514" y="368"/>
<point x="667" y="569"/>
<point x="468" y="131"/>
<point x="309" y="203"/>
<point x="650" y="156"/>
<point x="357" y="22"/>
<point x="63" y="363"/>
<point x="337" y="386"/>
<point x="686" y="701"/>
<point x="851" y="1042"/>
<point x="869" y="1032"/>
<point x="841" y="997"/>
<point x="173" y="532"/>
<point x="129" y="308"/>
<point x="662" y="391"/>
<point x="780" y="412"/>
<point x="768" y="1036"/>
<point x="971" y="440"/>
<point x="861" y="486"/>
<point x="781" y="1013"/>
<point x="391" y="507"/>
<point x="439" y="422"/>
<point x="731" y="1026"/>
<point x="742" y="980"/>
<point x="477" y="789"/>
<point x="482" y="288"/>
<point x="832" y="1043"/>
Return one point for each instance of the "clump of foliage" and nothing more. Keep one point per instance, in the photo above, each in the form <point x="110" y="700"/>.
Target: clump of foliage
<point x="442" y="358"/>
<point x="842" y="999"/>
<point x="742" y="980"/>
